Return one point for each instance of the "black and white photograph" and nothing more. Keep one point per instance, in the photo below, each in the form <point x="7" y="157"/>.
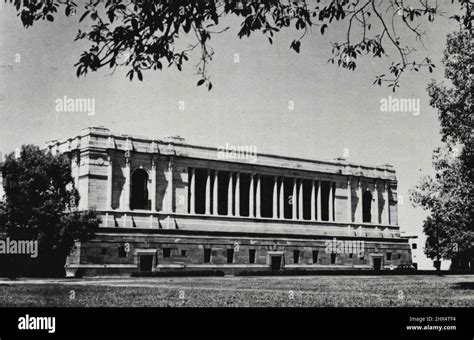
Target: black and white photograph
<point x="199" y="165"/>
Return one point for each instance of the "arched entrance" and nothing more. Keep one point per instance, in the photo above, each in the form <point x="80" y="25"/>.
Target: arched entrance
<point x="139" y="199"/>
<point x="366" y="206"/>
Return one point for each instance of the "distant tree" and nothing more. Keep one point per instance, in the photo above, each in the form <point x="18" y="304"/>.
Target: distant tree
<point x="144" y="34"/>
<point x="449" y="196"/>
<point x="41" y="205"/>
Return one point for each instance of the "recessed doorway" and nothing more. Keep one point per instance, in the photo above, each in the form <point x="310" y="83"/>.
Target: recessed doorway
<point x="276" y="262"/>
<point x="146" y="263"/>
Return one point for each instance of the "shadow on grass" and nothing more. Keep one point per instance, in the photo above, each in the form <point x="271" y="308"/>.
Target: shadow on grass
<point x="464" y="285"/>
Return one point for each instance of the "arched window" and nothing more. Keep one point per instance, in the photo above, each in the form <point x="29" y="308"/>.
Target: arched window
<point x="366" y="206"/>
<point x="139" y="199"/>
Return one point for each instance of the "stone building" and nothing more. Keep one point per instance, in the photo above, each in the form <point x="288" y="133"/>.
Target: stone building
<point x="168" y="205"/>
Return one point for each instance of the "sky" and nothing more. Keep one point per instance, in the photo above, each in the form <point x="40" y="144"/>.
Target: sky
<point x="335" y="111"/>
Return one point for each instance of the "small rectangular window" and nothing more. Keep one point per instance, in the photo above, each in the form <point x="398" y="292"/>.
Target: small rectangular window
<point x="252" y="255"/>
<point x="207" y="255"/>
<point x="350" y="255"/>
<point x="166" y="253"/>
<point x="413" y="246"/>
<point x="184" y="252"/>
<point x="389" y="256"/>
<point x="399" y="256"/>
<point x="315" y="256"/>
<point x="104" y="251"/>
<point x="333" y="258"/>
<point x="122" y="252"/>
<point x="230" y="255"/>
<point x="296" y="256"/>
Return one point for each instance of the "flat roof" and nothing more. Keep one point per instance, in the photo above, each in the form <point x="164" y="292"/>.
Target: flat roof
<point x="181" y="148"/>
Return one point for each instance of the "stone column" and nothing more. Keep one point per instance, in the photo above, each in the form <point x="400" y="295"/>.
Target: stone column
<point x="237" y="194"/>
<point x="387" y="204"/>
<point x="251" y="190"/>
<point x="282" y="198"/>
<point x="331" y="201"/>
<point x="275" y="197"/>
<point x="153" y="185"/>
<point x="127" y="184"/>
<point x="208" y="192"/>
<point x="109" y="181"/>
<point x="313" y="201"/>
<point x="349" y="200"/>
<point x="215" y="190"/>
<point x="192" y="192"/>
<point x="319" y="202"/>
<point x="78" y="169"/>
<point x="358" y="218"/>
<point x="300" y="200"/>
<point x="376" y="204"/>
<point x="258" y="198"/>
<point x="294" y="201"/>
<point x="230" y="195"/>
<point x="170" y="185"/>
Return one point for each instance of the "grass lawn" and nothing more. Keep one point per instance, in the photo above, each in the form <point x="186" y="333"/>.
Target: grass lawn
<point x="303" y="291"/>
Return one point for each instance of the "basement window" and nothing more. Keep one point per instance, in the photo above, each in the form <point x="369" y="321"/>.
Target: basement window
<point x="166" y="253"/>
<point x="389" y="256"/>
<point x="296" y="256"/>
<point x="122" y="252"/>
<point x="230" y="255"/>
<point x="315" y="256"/>
<point x="252" y="253"/>
<point x="207" y="255"/>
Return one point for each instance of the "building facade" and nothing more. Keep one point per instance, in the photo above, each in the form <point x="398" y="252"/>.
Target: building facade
<point x="168" y="205"/>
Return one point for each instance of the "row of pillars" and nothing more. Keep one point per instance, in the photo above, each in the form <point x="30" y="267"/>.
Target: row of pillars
<point x="255" y="191"/>
<point x="384" y="218"/>
<point x="125" y="203"/>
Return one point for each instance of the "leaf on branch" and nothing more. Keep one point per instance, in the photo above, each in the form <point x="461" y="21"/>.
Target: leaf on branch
<point x="296" y="46"/>
<point x="323" y="28"/>
<point x="86" y="13"/>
